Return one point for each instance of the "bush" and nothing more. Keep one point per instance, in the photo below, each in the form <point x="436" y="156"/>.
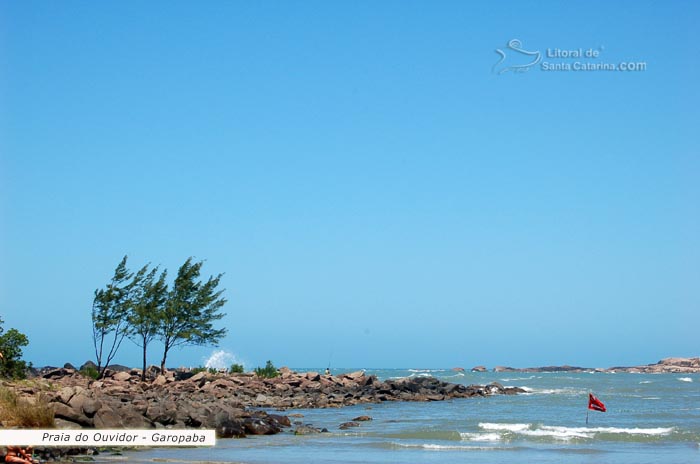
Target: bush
<point x="267" y="372"/>
<point x="18" y="412"/>
<point x="199" y="369"/>
<point x="236" y="369"/>
<point x="11" y="343"/>
<point x="90" y="372"/>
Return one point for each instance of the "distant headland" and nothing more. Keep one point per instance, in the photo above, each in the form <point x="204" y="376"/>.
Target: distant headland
<point x="666" y="365"/>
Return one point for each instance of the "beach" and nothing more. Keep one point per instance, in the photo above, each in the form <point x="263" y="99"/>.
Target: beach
<point x="651" y="418"/>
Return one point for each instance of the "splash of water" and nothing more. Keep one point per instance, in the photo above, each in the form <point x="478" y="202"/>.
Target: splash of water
<point x="221" y="359"/>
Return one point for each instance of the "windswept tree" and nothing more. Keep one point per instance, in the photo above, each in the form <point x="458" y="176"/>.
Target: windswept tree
<point x="11" y="343"/>
<point x="110" y="310"/>
<point x="192" y="308"/>
<point x="147" y="308"/>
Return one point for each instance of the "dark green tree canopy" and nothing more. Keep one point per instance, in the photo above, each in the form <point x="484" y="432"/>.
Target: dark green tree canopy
<point x="11" y="344"/>
<point x="192" y="308"/>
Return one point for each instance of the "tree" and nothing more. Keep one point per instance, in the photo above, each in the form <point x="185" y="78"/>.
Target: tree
<point x="11" y="343"/>
<point x="147" y="307"/>
<point x="110" y="309"/>
<point x="191" y="309"/>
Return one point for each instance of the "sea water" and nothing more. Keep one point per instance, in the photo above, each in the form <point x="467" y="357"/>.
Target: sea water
<point x="650" y="418"/>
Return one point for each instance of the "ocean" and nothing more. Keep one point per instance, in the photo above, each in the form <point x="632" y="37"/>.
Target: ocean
<point x="650" y="418"/>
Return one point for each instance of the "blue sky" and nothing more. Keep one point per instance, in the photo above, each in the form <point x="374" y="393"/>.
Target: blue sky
<point x="375" y="195"/>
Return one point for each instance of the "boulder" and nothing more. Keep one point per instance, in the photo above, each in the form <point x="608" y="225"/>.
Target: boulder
<point x="107" y="418"/>
<point x="67" y="413"/>
<point x="121" y="376"/>
<point x="479" y="369"/>
<point x="362" y="419"/>
<point x="260" y="426"/>
<point x="348" y="425"/>
<point x="306" y="430"/>
<point x="88" y="365"/>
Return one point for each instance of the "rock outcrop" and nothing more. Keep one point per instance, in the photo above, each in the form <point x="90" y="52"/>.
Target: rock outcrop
<point x="666" y="365"/>
<point x="235" y="405"/>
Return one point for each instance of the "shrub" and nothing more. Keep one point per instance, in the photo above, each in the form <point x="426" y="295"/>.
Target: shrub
<point x="199" y="369"/>
<point x="90" y="372"/>
<point x="267" y="372"/>
<point x="19" y="412"/>
<point x="236" y="369"/>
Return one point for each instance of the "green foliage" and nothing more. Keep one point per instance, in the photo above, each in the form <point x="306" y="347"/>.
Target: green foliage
<point x="11" y="343"/>
<point x="146" y="310"/>
<point x="267" y="372"/>
<point x="110" y="310"/>
<point x="192" y="308"/>
<point x="140" y="306"/>
<point x="236" y="369"/>
<point x="90" y="372"/>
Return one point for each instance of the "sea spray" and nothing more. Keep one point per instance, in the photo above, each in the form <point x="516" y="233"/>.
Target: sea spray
<point x="222" y="359"/>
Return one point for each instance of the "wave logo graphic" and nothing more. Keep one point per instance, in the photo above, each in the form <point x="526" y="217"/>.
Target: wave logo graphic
<point x="519" y="59"/>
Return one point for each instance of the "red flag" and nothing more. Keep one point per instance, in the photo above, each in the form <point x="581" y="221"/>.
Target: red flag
<point x="595" y="404"/>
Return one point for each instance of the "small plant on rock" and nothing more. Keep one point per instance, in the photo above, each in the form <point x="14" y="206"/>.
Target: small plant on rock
<point x="267" y="372"/>
<point x="236" y="369"/>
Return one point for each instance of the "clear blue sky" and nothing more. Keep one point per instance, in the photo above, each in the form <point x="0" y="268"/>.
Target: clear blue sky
<point x="373" y="192"/>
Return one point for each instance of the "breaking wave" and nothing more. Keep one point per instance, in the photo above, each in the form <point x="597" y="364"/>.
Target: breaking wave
<point x="506" y="431"/>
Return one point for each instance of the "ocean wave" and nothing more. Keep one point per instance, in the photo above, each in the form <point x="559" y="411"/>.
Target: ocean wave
<point x="554" y="391"/>
<point x="685" y="379"/>
<point x="439" y="447"/>
<point x="510" y="430"/>
<point x="469" y="436"/>
<point x="426" y="370"/>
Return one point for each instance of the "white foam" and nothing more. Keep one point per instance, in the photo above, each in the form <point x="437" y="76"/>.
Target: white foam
<point x="557" y="432"/>
<point x="613" y="430"/>
<point x="436" y="447"/>
<point x="645" y="381"/>
<point x="504" y="427"/>
<point x="467" y="436"/>
<point x="221" y="359"/>
<point x="685" y="379"/>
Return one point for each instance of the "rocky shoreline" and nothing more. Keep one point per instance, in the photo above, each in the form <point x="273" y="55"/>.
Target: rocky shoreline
<point x="236" y="405"/>
<point x="665" y="366"/>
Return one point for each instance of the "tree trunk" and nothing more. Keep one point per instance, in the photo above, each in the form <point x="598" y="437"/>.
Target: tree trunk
<point x="162" y="363"/>
<point x="143" y="372"/>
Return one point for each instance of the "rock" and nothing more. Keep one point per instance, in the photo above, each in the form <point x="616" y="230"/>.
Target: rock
<point x="65" y="412"/>
<point x="458" y="369"/>
<point x="121" y="376"/>
<point x="69" y="366"/>
<point x="57" y="373"/>
<point x="283" y="421"/>
<point x="479" y="369"/>
<point x="348" y="425"/>
<point x="260" y="426"/>
<point x="355" y="375"/>
<point x="65" y="394"/>
<point x="306" y="430"/>
<point x="88" y="365"/>
<point x="106" y="418"/>
<point x="362" y="419"/>
<point x="230" y="428"/>
<point x="160" y="380"/>
<point x="313" y="376"/>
